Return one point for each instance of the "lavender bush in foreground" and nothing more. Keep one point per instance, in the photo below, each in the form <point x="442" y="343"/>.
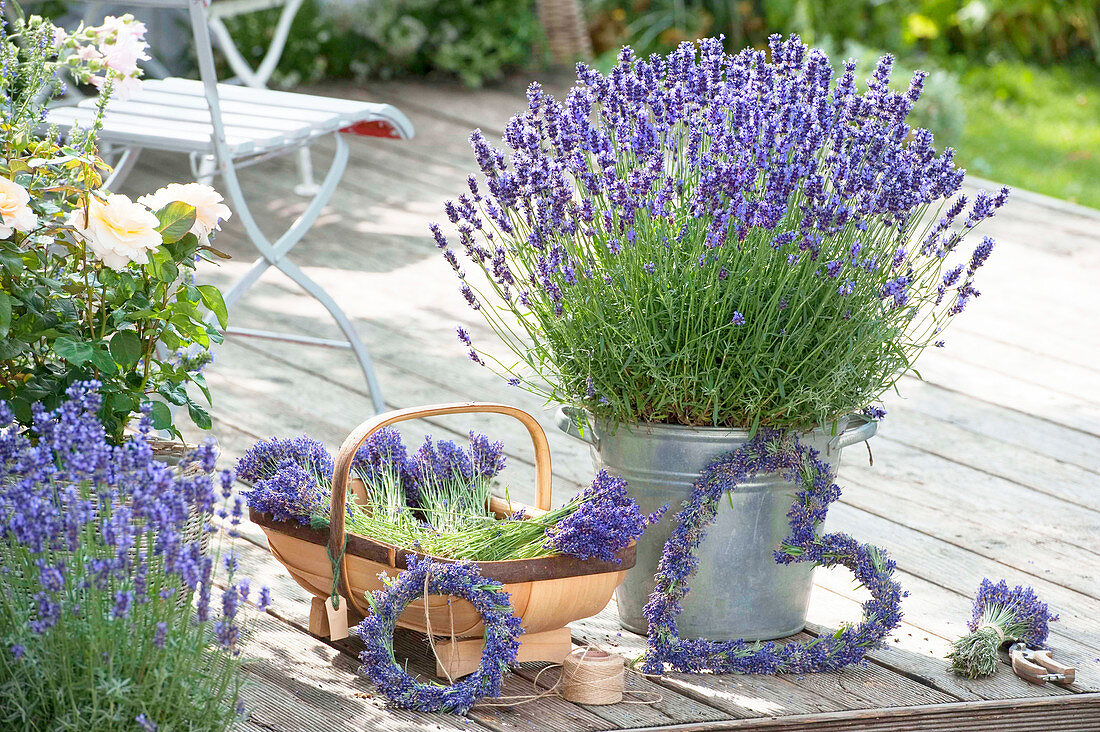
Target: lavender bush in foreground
<point x="999" y="616"/>
<point x="714" y="239"/>
<point x="109" y="618"/>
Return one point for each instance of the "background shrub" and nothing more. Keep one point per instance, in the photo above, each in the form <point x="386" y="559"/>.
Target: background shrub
<point x="473" y="40"/>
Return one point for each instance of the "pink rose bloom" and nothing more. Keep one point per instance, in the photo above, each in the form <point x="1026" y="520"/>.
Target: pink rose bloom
<point x="117" y="230"/>
<point x="209" y="209"/>
<point x="15" y="211"/>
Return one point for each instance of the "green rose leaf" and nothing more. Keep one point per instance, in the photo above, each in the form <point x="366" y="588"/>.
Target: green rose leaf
<point x="199" y="416"/>
<point x="176" y="393"/>
<point x="120" y="403"/>
<point x="161" y="416"/>
<point x="5" y="314"/>
<point x="161" y="265"/>
<point x="126" y="348"/>
<point x="102" y="360"/>
<point x="176" y="219"/>
<point x="212" y="299"/>
<point x="12" y="262"/>
<point x="75" y="352"/>
<point x="200" y="381"/>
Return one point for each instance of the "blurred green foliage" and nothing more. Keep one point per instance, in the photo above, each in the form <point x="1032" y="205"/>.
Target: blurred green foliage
<point x="473" y="40"/>
<point x="1034" y="127"/>
<point x="1039" y="30"/>
<point x="314" y="50"/>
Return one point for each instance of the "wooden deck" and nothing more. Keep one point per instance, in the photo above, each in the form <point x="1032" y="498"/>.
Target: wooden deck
<point x="989" y="467"/>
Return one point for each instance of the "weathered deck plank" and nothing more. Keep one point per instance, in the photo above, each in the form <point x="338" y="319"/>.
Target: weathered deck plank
<point x="988" y="468"/>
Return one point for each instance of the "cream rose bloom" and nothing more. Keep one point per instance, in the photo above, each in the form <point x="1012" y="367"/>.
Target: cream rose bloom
<point x="209" y="209"/>
<point x="15" y="210"/>
<point x="118" y="231"/>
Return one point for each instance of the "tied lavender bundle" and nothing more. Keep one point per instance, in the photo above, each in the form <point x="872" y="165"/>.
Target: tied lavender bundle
<point x="718" y="222"/>
<point x="290" y="478"/>
<point x="1000" y="616"/>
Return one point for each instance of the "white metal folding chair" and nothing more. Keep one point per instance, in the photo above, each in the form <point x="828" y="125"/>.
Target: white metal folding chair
<point x="257" y="78"/>
<point x="224" y="128"/>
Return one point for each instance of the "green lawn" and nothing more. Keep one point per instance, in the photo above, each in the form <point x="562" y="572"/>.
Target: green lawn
<point x="1036" y="128"/>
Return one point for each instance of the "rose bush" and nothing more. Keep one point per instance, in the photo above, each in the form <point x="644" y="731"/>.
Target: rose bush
<point x="95" y="285"/>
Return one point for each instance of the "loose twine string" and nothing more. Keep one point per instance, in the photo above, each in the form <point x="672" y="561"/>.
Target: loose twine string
<point x="594" y="677"/>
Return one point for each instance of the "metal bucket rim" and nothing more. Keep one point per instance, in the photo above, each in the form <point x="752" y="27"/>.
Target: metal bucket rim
<point x="605" y="426"/>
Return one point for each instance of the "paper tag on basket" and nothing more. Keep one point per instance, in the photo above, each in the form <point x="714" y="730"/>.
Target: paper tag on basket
<point x="337" y="619"/>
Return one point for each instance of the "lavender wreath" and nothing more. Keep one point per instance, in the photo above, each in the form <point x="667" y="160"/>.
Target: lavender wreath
<point x="424" y="576"/>
<point x="769" y="451"/>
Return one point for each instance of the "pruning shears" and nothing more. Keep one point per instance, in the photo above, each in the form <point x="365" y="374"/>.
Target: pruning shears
<point x="1037" y="666"/>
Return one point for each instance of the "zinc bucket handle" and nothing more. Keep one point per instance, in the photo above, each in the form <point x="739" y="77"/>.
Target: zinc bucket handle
<point x="852" y="435"/>
<point x="566" y="419"/>
<point x="346" y="457"/>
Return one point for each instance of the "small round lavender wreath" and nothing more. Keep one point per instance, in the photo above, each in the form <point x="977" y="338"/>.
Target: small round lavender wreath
<point x="424" y="576"/>
<point x="769" y="451"/>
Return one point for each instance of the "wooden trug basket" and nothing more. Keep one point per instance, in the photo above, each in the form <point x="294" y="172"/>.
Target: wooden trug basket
<point x="546" y="593"/>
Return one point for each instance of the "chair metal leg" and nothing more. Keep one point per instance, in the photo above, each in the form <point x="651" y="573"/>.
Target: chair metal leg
<point x="206" y="169"/>
<point x="308" y="186"/>
<point x="274" y="254"/>
<point x="359" y="350"/>
<point x="123" y="167"/>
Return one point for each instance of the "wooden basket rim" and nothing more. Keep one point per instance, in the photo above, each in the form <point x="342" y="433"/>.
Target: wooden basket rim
<point x="509" y="571"/>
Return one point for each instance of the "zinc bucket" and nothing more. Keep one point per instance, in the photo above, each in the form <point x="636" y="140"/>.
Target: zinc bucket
<point x="739" y="590"/>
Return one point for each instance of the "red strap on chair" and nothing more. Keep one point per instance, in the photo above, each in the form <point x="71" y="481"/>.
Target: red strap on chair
<point x="373" y="128"/>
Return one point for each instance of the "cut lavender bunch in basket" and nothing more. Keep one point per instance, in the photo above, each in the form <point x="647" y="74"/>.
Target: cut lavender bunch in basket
<point x="438" y="500"/>
<point x="1000" y="616"/>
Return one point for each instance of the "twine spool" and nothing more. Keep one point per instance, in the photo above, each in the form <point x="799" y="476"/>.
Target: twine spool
<point x="592" y="676"/>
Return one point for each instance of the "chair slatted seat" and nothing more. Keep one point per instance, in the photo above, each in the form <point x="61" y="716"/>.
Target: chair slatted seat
<point x="173" y="114"/>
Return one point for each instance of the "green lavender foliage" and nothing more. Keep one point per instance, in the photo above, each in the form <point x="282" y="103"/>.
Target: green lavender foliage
<point x="96" y="673"/>
<point x="489" y="540"/>
<point x="433" y="527"/>
<point x="975" y="655"/>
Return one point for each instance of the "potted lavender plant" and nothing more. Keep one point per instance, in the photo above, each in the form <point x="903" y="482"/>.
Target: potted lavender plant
<point x="696" y="246"/>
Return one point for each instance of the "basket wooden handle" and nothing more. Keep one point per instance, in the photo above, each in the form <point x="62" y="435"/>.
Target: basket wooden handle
<point x="346" y="457"/>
